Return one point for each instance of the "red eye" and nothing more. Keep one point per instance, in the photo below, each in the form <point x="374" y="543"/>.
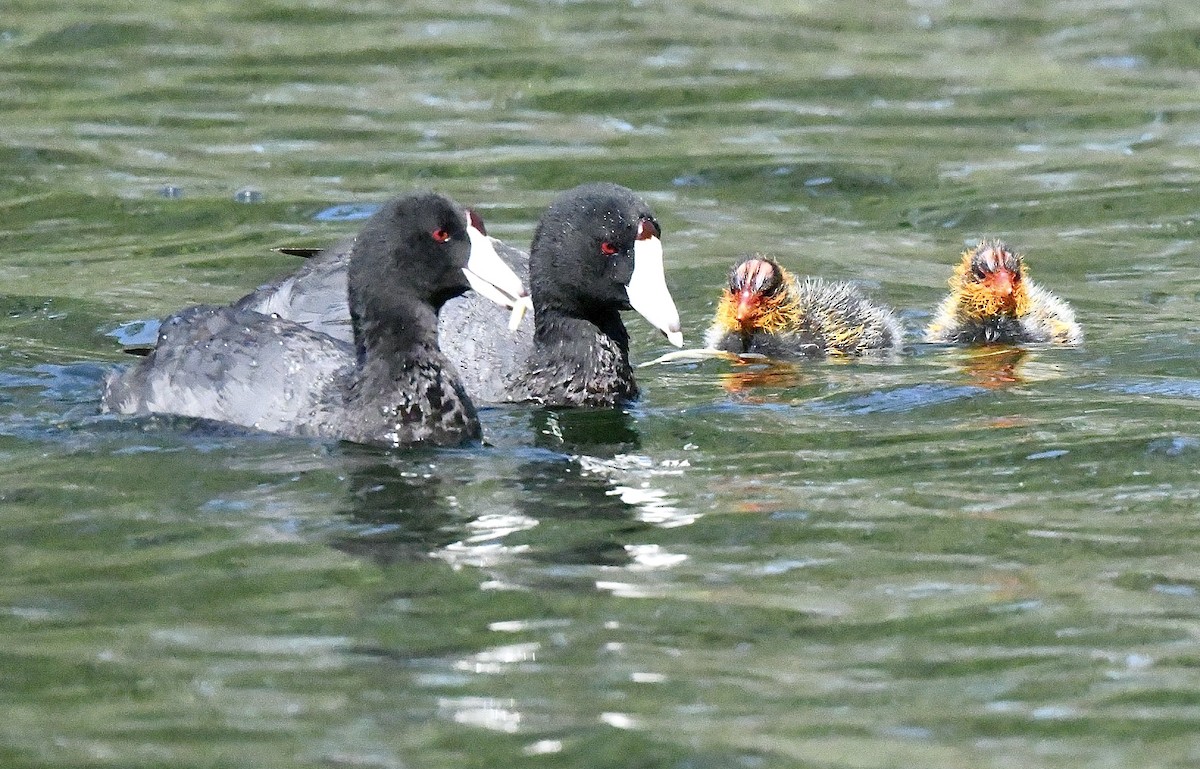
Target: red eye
<point x="441" y="234"/>
<point x="609" y="249"/>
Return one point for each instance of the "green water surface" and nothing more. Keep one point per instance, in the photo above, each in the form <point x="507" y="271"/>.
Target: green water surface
<point x="961" y="559"/>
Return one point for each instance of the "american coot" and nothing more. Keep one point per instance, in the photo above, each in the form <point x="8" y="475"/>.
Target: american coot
<point x="992" y="300"/>
<point x="767" y="310"/>
<point x="596" y="251"/>
<point x="391" y="386"/>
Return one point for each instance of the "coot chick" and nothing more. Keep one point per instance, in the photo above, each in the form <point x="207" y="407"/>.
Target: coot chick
<point x="391" y="386"/>
<point x="596" y="252"/>
<point x="992" y="300"/>
<point x="767" y="310"/>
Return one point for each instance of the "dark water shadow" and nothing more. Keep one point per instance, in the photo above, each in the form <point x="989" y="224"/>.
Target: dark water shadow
<point x="396" y="507"/>
<point x="596" y="432"/>
<point x="536" y="497"/>
<point x="581" y="520"/>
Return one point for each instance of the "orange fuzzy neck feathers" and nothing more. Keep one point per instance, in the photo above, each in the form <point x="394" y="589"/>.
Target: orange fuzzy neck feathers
<point x="990" y="282"/>
<point x="758" y="299"/>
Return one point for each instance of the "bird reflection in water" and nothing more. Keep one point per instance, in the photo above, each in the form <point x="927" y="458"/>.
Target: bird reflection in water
<point x="581" y="495"/>
<point x="594" y="490"/>
<point x="749" y="373"/>
<point x="598" y="432"/>
<point x="398" y="507"/>
<point x="580" y="520"/>
<point x="994" y="366"/>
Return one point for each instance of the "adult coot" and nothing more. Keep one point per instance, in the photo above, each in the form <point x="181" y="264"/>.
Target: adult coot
<point x="597" y="251"/>
<point x="390" y="386"/>
<point x="767" y="310"/>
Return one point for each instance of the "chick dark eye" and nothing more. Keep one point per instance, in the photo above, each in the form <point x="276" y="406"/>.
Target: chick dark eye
<point x="441" y="234"/>
<point x="609" y="249"/>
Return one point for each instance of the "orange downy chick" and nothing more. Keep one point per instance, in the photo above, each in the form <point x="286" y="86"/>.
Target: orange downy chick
<point x="766" y="310"/>
<point x="992" y="300"/>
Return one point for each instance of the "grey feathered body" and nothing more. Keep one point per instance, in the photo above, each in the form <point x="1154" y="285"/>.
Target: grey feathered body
<point x="577" y="365"/>
<point x="573" y="353"/>
<point x="472" y="331"/>
<point x="200" y="368"/>
<point x="389" y="386"/>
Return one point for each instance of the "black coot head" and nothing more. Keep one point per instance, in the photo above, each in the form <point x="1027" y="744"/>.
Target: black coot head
<point x="417" y="243"/>
<point x="582" y="256"/>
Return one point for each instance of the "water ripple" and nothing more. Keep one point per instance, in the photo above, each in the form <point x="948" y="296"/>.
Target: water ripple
<point x="900" y="400"/>
<point x="346" y="212"/>
<point x="1170" y="388"/>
